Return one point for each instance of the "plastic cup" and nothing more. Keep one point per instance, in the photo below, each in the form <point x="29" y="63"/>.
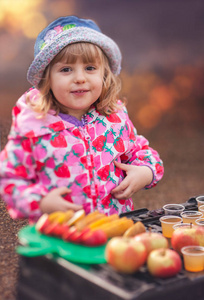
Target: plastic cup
<point x="193" y="258"/>
<point x="191" y="216"/>
<point x="199" y="222"/>
<point x="201" y="209"/>
<point x="200" y="200"/>
<point x="167" y="223"/>
<point x="182" y="226"/>
<point x="173" y="209"/>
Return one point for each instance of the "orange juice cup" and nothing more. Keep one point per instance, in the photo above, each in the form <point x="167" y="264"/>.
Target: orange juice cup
<point x="200" y="200"/>
<point x="201" y="208"/>
<point x="193" y="258"/>
<point x="173" y="209"/>
<point x="199" y="222"/>
<point x="167" y="223"/>
<point x="191" y="216"/>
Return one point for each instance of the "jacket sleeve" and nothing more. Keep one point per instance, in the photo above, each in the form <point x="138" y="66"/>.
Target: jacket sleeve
<point x="19" y="186"/>
<point x="141" y="154"/>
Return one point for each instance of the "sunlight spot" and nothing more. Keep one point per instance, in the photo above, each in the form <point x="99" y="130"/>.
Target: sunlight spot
<point x="149" y="116"/>
<point x="14" y="15"/>
<point x="162" y="97"/>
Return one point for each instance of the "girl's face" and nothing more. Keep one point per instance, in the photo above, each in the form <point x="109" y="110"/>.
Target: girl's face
<point x="76" y="85"/>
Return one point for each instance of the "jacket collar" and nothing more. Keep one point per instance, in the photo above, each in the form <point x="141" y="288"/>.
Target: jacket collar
<point x="28" y="123"/>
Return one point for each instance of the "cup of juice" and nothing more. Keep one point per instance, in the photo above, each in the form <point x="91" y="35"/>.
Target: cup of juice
<point x="200" y="200"/>
<point x="191" y="216"/>
<point x="167" y="223"/>
<point x="201" y="209"/>
<point x="173" y="209"/>
<point x="193" y="257"/>
<point x="199" y="222"/>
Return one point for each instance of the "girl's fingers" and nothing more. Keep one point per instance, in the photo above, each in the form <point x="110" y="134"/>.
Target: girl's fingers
<point x="67" y="205"/>
<point x="73" y="206"/>
<point x="122" y="191"/>
<point x="123" y="194"/>
<point x="121" y="166"/>
<point x="122" y="186"/>
<point x="62" y="190"/>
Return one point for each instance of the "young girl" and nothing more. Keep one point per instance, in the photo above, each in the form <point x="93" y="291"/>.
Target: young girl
<point x="72" y="144"/>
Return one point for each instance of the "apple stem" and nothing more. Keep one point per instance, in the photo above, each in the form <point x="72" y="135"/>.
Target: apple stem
<point x="150" y="230"/>
<point x="191" y="225"/>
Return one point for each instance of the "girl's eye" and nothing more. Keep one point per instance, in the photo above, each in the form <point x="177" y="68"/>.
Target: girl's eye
<point x="66" y="69"/>
<point x="91" y="68"/>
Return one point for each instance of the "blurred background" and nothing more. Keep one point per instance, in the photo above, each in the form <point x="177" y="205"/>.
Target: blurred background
<point x="163" y="75"/>
<point x="162" y="43"/>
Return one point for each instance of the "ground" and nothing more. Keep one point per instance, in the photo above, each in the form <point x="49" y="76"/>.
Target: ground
<point x="179" y="142"/>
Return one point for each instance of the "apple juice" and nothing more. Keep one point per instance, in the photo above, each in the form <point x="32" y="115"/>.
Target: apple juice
<point x="167" y="223"/>
<point x="201" y="208"/>
<point x="193" y="258"/>
<point x="200" y="200"/>
<point x="191" y="216"/>
<point x="200" y="222"/>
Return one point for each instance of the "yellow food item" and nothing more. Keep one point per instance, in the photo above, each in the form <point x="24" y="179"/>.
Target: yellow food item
<point x="55" y="215"/>
<point x="135" y="229"/>
<point x="78" y="215"/>
<point x="116" y="227"/>
<point x="68" y="215"/>
<point x="60" y="217"/>
<point x="104" y="220"/>
<point x="90" y="218"/>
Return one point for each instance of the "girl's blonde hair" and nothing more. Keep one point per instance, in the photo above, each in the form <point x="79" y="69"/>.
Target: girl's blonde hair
<point x="107" y="102"/>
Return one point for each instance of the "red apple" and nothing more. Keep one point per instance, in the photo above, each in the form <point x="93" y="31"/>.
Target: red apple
<point x="125" y="254"/>
<point x="68" y="233"/>
<point x="42" y="223"/>
<point x="60" y="229"/>
<point x="77" y="237"/>
<point x="164" y="263"/>
<point x="50" y="228"/>
<point x="94" y="238"/>
<point x="187" y="236"/>
<point x="152" y="240"/>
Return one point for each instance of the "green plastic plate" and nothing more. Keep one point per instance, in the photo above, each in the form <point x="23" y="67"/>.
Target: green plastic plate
<point x="36" y="244"/>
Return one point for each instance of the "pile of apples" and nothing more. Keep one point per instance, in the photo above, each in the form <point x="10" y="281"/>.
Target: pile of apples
<point x="127" y="255"/>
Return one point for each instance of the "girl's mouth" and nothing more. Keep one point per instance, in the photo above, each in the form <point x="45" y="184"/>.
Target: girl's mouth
<point x="80" y="92"/>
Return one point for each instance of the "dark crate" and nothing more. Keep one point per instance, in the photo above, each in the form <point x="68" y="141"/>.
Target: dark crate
<point x="51" y="278"/>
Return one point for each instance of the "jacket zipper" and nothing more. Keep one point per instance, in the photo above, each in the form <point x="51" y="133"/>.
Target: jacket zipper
<point x="94" y="189"/>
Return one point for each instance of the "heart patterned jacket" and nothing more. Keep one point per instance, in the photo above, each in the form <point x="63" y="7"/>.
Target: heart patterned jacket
<point x="42" y="154"/>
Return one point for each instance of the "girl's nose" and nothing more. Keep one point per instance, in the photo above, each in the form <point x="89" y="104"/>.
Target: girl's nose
<point x="79" y="76"/>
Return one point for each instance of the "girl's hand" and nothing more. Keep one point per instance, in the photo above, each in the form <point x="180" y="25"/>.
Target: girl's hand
<point x="137" y="177"/>
<point x="54" y="201"/>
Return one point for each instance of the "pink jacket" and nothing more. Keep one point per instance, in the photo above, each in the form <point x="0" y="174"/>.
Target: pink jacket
<point x="42" y="154"/>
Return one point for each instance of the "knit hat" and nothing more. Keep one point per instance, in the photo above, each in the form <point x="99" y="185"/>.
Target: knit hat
<point x="65" y="31"/>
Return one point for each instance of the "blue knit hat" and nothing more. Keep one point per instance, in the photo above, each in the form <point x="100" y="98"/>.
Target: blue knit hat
<point x="65" y="31"/>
